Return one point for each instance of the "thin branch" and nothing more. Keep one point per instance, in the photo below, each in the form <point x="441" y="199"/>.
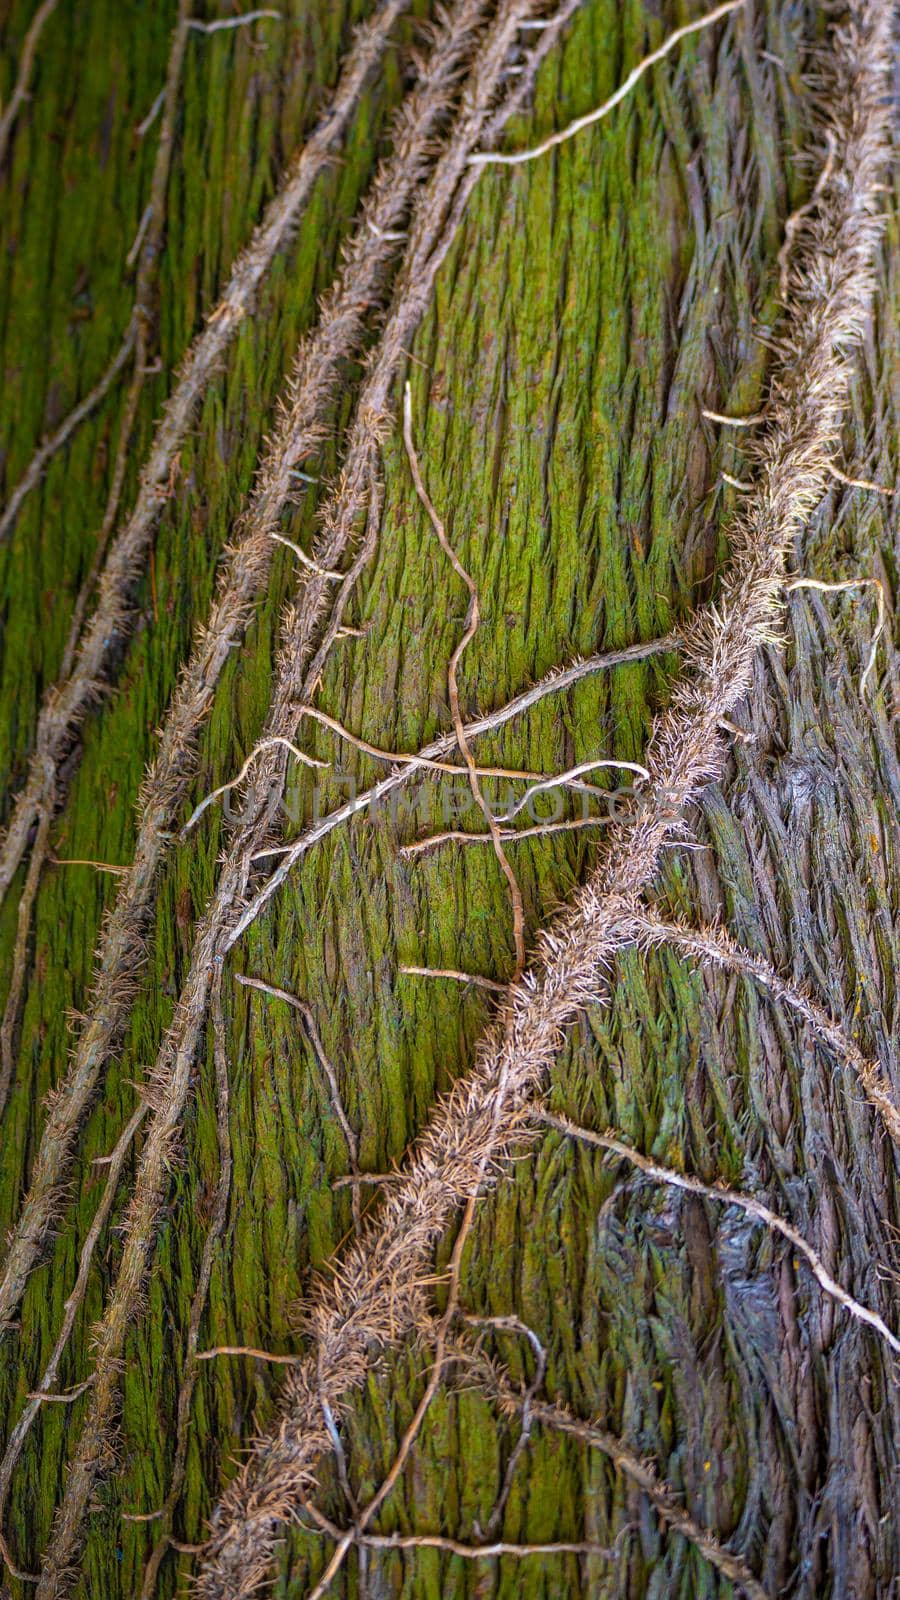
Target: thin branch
<point x="23" y="77"/>
<point x="517" y="157"/>
<point x="843" y="588"/>
<point x="728" y="1197"/>
<point x="472" y="623"/>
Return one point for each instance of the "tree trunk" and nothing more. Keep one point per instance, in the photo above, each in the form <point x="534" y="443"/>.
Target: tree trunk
<point x="591" y="304"/>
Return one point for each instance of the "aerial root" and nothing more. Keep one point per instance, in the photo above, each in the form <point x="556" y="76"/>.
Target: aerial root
<point x="220" y="24"/>
<point x="327" y="1068"/>
<point x="492" y="984"/>
<point x="258" y="749"/>
<point x="472" y="623"/>
<point x="23" y="77"/>
<point x="713" y="946"/>
<point x="724" y="1195"/>
<point x="515" y="158"/>
<point x="843" y="588"/>
<point x="213" y="1234"/>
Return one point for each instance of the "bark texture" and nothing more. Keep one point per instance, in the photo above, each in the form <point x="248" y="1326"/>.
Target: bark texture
<point x="591" y="304"/>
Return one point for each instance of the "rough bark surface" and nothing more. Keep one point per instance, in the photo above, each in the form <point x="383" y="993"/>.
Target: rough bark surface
<point x="592" y="304"/>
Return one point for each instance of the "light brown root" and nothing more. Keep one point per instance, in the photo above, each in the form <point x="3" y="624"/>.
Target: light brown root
<point x="198" y="1303"/>
<point x="475" y="1552"/>
<point x="328" y="1072"/>
<point x="636" y="1469"/>
<point x="720" y="1193"/>
<point x="244" y="21"/>
<point x="858" y="483"/>
<point x="248" y="1350"/>
<point x="23" y="77"/>
<point x="517" y="157"/>
<point x="47" y="1398"/>
<point x="112" y="867"/>
<point x="423" y="762"/>
<point x="459" y="977"/>
<point x="714" y="947"/>
<point x="276" y="741"/>
<point x="540" y="830"/>
<point x="843" y="588"/>
<point x="471" y="626"/>
<point x="555" y="682"/>
<point x="752" y="420"/>
<point x="305" y="560"/>
<point x="562" y="779"/>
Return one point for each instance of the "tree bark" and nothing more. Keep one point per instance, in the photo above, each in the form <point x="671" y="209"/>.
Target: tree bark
<point x="593" y="302"/>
